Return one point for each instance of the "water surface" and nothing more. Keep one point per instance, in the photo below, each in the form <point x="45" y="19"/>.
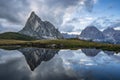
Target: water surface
<point x="50" y="64"/>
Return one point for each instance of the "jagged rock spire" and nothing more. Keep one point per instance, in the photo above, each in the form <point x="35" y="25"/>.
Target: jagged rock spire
<point x="39" y="29"/>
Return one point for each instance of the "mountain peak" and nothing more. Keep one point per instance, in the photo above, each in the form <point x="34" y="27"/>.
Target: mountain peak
<point x="39" y="29"/>
<point x="91" y="28"/>
<point x="91" y="33"/>
<point x="32" y="12"/>
<point x="109" y="31"/>
<point x="33" y="16"/>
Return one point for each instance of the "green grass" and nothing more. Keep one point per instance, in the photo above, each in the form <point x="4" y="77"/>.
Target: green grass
<point x="63" y="43"/>
<point x="15" y="36"/>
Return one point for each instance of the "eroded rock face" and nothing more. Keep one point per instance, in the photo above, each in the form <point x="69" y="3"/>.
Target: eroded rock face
<point x="34" y="56"/>
<point x="92" y="33"/>
<point x="109" y="35"/>
<point x="39" y="29"/>
<point x="112" y="35"/>
<point x="109" y="32"/>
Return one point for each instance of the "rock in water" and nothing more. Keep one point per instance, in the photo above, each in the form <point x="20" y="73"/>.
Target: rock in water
<point x="92" y="33"/>
<point x="39" y="29"/>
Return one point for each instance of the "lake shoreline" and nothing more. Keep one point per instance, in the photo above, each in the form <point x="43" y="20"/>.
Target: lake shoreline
<point x="60" y="44"/>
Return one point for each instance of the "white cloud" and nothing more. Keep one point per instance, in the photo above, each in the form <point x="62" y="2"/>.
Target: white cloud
<point x="78" y="23"/>
<point x="57" y="12"/>
<point x="95" y="1"/>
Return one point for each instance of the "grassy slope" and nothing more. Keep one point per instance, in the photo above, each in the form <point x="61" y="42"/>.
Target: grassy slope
<point x="15" y="36"/>
<point x="62" y="44"/>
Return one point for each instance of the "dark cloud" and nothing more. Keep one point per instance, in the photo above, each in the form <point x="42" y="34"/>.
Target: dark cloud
<point x="73" y="20"/>
<point x="6" y="27"/>
<point x="12" y="10"/>
<point x="62" y="3"/>
<point x="67" y="28"/>
<point x="16" y="11"/>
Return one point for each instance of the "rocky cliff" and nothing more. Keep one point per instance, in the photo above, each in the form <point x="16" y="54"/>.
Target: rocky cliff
<point x="108" y="35"/>
<point x="112" y="36"/>
<point x="39" y="29"/>
<point x="92" y="33"/>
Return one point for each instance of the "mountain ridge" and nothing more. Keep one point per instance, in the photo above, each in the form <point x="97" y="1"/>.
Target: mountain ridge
<point x="109" y="35"/>
<point x="91" y="33"/>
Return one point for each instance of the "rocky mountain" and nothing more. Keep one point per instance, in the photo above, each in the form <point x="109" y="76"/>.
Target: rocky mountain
<point x="92" y="33"/>
<point x="34" y="56"/>
<point x="39" y="29"/>
<point x="109" y="35"/>
<point x="116" y="37"/>
<point x="109" y="32"/>
<point x="112" y="35"/>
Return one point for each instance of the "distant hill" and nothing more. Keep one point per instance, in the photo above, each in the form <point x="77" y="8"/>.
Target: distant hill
<point x="15" y="36"/>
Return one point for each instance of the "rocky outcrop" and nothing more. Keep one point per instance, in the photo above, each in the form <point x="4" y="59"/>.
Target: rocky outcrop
<point x="39" y="29"/>
<point x="109" y="32"/>
<point x="112" y="36"/>
<point x="109" y="35"/>
<point x="92" y="33"/>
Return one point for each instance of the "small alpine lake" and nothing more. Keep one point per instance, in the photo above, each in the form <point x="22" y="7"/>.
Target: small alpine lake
<point x="32" y="63"/>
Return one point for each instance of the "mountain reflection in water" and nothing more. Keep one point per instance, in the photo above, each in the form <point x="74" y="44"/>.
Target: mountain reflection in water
<point x="34" y="56"/>
<point x="50" y="64"/>
<point x="94" y="52"/>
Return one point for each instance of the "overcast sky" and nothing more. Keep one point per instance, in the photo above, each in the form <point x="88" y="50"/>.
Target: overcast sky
<point x="66" y="15"/>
